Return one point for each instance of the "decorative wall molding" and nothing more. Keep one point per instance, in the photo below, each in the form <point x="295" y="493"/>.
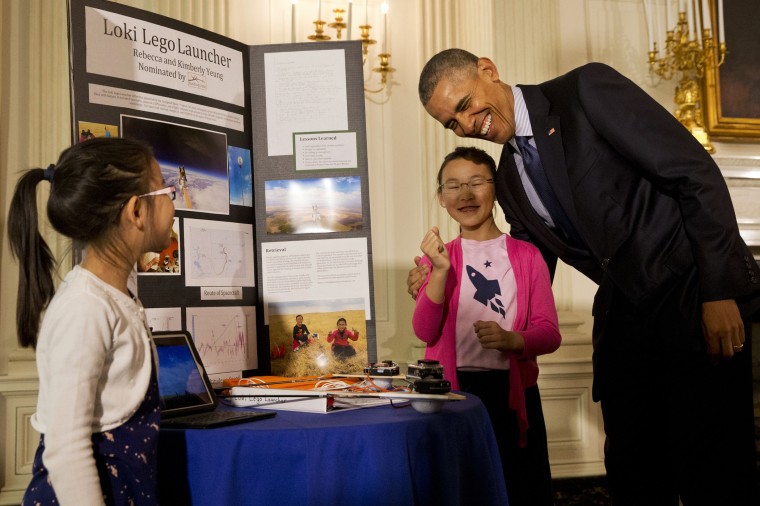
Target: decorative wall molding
<point x="18" y="399"/>
<point x="742" y="174"/>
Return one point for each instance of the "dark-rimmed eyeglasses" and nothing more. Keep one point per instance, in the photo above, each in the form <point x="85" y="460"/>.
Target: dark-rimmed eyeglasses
<point x="476" y="185"/>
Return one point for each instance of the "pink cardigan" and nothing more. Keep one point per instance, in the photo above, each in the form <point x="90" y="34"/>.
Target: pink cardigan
<point x="535" y="320"/>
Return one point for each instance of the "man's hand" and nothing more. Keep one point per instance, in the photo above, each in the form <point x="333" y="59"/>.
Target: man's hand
<point x="416" y="277"/>
<point x="723" y="328"/>
<point x="493" y="337"/>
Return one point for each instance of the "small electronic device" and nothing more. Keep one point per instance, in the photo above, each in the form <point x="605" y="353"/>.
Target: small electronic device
<point x="384" y="368"/>
<point x="432" y="386"/>
<point x="425" y="368"/>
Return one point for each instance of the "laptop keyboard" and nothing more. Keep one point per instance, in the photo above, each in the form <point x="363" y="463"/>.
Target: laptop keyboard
<point x="215" y="419"/>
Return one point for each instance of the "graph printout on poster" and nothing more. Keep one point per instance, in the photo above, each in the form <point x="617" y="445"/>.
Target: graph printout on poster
<point x="225" y="337"/>
<point x="218" y="253"/>
<point x="161" y="319"/>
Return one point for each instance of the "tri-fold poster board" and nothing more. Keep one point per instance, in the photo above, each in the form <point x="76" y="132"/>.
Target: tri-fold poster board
<point x="267" y="148"/>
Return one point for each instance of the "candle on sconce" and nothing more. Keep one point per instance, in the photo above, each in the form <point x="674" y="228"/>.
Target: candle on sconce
<point x="690" y="18"/>
<point x="366" y="12"/>
<point x="669" y="15"/>
<point x="655" y="10"/>
<point x="659" y="30"/>
<point x="384" y="9"/>
<point x="721" y="25"/>
<point x="706" y="16"/>
<point x="697" y="22"/>
<point x="293" y="20"/>
<point x="650" y="29"/>
<point x="348" y="21"/>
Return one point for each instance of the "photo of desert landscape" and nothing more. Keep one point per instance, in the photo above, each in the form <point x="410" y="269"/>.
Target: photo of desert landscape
<point x="315" y="358"/>
<point x="306" y="206"/>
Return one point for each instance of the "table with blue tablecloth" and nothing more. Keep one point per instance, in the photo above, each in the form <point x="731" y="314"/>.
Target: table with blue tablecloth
<point x="364" y="457"/>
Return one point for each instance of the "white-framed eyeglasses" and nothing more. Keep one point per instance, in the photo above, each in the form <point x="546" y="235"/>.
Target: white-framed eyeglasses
<point x="476" y="185"/>
<point x="169" y="190"/>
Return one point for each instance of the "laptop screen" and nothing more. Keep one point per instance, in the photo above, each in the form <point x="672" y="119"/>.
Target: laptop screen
<point x="182" y="382"/>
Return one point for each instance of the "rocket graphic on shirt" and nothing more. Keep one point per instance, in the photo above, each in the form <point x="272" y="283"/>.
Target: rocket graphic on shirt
<point x="486" y="290"/>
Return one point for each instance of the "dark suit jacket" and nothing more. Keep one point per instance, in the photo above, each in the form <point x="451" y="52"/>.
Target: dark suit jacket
<point x="644" y="195"/>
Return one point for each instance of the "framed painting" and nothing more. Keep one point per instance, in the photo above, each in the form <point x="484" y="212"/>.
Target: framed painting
<point x="732" y="91"/>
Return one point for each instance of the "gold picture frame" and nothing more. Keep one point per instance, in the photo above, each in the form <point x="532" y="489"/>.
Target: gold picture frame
<point x="732" y="91"/>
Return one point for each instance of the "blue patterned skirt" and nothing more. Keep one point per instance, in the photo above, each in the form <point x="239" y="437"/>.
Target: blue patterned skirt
<point x="125" y="458"/>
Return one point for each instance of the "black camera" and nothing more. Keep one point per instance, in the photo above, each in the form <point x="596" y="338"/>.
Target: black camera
<point x="384" y="368"/>
<point x="425" y="368"/>
<point x="432" y="386"/>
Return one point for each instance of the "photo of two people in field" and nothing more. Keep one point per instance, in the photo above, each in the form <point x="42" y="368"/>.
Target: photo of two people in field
<point x="312" y="344"/>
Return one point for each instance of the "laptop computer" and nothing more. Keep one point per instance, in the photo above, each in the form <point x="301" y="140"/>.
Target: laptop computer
<point x="187" y="399"/>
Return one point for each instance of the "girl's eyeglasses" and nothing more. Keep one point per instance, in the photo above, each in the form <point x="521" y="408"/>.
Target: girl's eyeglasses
<point x="476" y="185"/>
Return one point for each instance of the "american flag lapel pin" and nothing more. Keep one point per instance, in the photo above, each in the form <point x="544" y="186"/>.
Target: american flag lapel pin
<point x="551" y="131"/>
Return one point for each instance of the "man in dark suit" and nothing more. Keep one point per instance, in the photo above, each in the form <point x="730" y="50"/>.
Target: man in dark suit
<point x="598" y="174"/>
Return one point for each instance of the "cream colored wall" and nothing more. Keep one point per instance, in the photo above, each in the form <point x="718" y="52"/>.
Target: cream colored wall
<point x="530" y="40"/>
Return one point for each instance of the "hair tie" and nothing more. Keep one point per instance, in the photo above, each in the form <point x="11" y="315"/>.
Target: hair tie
<point x="49" y="173"/>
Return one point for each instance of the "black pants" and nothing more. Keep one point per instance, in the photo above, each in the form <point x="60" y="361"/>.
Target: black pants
<point x="677" y="425"/>
<point x="343" y="352"/>
<point x="526" y="470"/>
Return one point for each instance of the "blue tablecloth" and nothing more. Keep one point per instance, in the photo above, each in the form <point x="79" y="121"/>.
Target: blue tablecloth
<point x="372" y="456"/>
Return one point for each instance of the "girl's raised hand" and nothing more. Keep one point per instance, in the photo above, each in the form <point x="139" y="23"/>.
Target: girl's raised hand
<point x="432" y="246"/>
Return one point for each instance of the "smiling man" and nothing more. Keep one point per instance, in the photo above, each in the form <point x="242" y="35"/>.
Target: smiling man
<point x="598" y="174"/>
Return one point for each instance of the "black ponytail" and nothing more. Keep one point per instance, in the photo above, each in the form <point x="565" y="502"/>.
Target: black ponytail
<point x="35" y="287"/>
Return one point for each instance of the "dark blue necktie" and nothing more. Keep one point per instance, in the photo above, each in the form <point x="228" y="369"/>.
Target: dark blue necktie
<point x="537" y="175"/>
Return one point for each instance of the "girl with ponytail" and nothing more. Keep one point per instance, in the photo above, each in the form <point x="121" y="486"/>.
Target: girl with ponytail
<point x="97" y="409"/>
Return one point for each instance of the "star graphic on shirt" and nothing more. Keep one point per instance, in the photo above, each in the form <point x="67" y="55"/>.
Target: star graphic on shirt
<point x="487" y="264"/>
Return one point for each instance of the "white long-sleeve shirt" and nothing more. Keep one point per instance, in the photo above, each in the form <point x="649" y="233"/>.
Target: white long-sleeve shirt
<point x="94" y="363"/>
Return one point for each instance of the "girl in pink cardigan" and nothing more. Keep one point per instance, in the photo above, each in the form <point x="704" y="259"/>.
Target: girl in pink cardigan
<point x="486" y="311"/>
